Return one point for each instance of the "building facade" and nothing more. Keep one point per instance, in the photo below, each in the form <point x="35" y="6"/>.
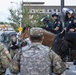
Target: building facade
<point x="44" y="9"/>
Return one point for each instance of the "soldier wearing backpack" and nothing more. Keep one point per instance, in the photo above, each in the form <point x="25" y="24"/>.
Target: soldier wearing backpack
<point x="37" y="59"/>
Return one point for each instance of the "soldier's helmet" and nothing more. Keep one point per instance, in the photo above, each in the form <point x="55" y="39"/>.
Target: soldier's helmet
<point x="54" y="14"/>
<point x="36" y="31"/>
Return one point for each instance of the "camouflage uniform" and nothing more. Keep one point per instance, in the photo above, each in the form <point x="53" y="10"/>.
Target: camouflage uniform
<point x="13" y="52"/>
<point x="14" y="48"/>
<point x="34" y="59"/>
<point x="5" y="59"/>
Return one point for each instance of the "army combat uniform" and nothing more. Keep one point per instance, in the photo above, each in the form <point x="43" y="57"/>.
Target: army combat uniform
<point x="5" y="59"/>
<point x="36" y="59"/>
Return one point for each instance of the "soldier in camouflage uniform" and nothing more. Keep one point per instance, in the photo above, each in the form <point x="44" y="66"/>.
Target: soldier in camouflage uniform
<point x="13" y="46"/>
<point x="36" y="59"/>
<point x="5" y="59"/>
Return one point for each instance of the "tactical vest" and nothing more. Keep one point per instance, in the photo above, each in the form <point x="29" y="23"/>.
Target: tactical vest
<point x="35" y="60"/>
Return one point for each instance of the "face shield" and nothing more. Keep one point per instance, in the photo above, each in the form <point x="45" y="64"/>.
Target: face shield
<point x="68" y="13"/>
<point x="42" y="19"/>
<point x="45" y="20"/>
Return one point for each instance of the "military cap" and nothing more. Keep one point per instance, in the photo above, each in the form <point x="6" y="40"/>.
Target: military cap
<point x="36" y="31"/>
<point x="55" y="14"/>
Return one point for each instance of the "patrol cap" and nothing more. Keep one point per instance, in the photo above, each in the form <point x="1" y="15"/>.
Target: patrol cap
<point x="54" y="14"/>
<point x="36" y="31"/>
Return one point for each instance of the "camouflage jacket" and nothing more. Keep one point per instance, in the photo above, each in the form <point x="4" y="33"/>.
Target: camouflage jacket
<point x="5" y="58"/>
<point x="35" y="59"/>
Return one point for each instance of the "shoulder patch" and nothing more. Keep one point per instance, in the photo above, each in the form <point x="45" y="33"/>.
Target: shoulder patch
<point x="74" y="20"/>
<point x="58" y="22"/>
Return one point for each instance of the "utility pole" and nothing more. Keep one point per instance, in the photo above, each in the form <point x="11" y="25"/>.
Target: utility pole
<point x="22" y="13"/>
<point x="62" y="15"/>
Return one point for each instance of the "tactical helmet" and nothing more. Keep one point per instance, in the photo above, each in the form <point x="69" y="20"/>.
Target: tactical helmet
<point x="54" y="14"/>
<point x="45" y="19"/>
<point x="70" y="11"/>
<point x="67" y="11"/>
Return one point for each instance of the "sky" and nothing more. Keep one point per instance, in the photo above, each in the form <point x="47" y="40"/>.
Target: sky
<point x="6" y="4"/>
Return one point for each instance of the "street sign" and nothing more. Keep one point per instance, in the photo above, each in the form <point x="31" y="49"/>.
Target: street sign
<point x="20" y="29"/>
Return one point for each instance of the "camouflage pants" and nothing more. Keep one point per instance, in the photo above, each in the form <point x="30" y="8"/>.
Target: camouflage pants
<point x="13" y="52"/>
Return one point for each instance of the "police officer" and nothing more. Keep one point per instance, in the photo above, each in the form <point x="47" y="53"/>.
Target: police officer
<point x="35" y="59"/>
<point x="70" y="21"/>
<point x="5" y="59"/>
<point x="47" y="25"/>
<point x="57" y="24"/>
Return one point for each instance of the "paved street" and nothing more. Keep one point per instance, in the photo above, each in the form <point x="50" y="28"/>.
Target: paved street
<point x="71" y="71"/>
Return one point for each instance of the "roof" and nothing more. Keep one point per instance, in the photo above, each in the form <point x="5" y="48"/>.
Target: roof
<point x="33" y="2"/>
<point x="53" y="3"/>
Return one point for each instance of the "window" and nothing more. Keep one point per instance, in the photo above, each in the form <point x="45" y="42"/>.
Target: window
<point x="45" y="10"/>
<point x="50" y="10"/>
<point x="40" y="10"/>
<point x="58" y="10"/>
<point x="54" y="10"/>
<point x="32" y="10"/>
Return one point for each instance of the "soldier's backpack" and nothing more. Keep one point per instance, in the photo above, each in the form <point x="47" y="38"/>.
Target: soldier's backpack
<point x="35" y="61"/>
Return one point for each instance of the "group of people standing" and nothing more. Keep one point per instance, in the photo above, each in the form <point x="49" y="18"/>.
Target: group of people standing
<point x="35" y="58"/>
<point x="57" y="26"/>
